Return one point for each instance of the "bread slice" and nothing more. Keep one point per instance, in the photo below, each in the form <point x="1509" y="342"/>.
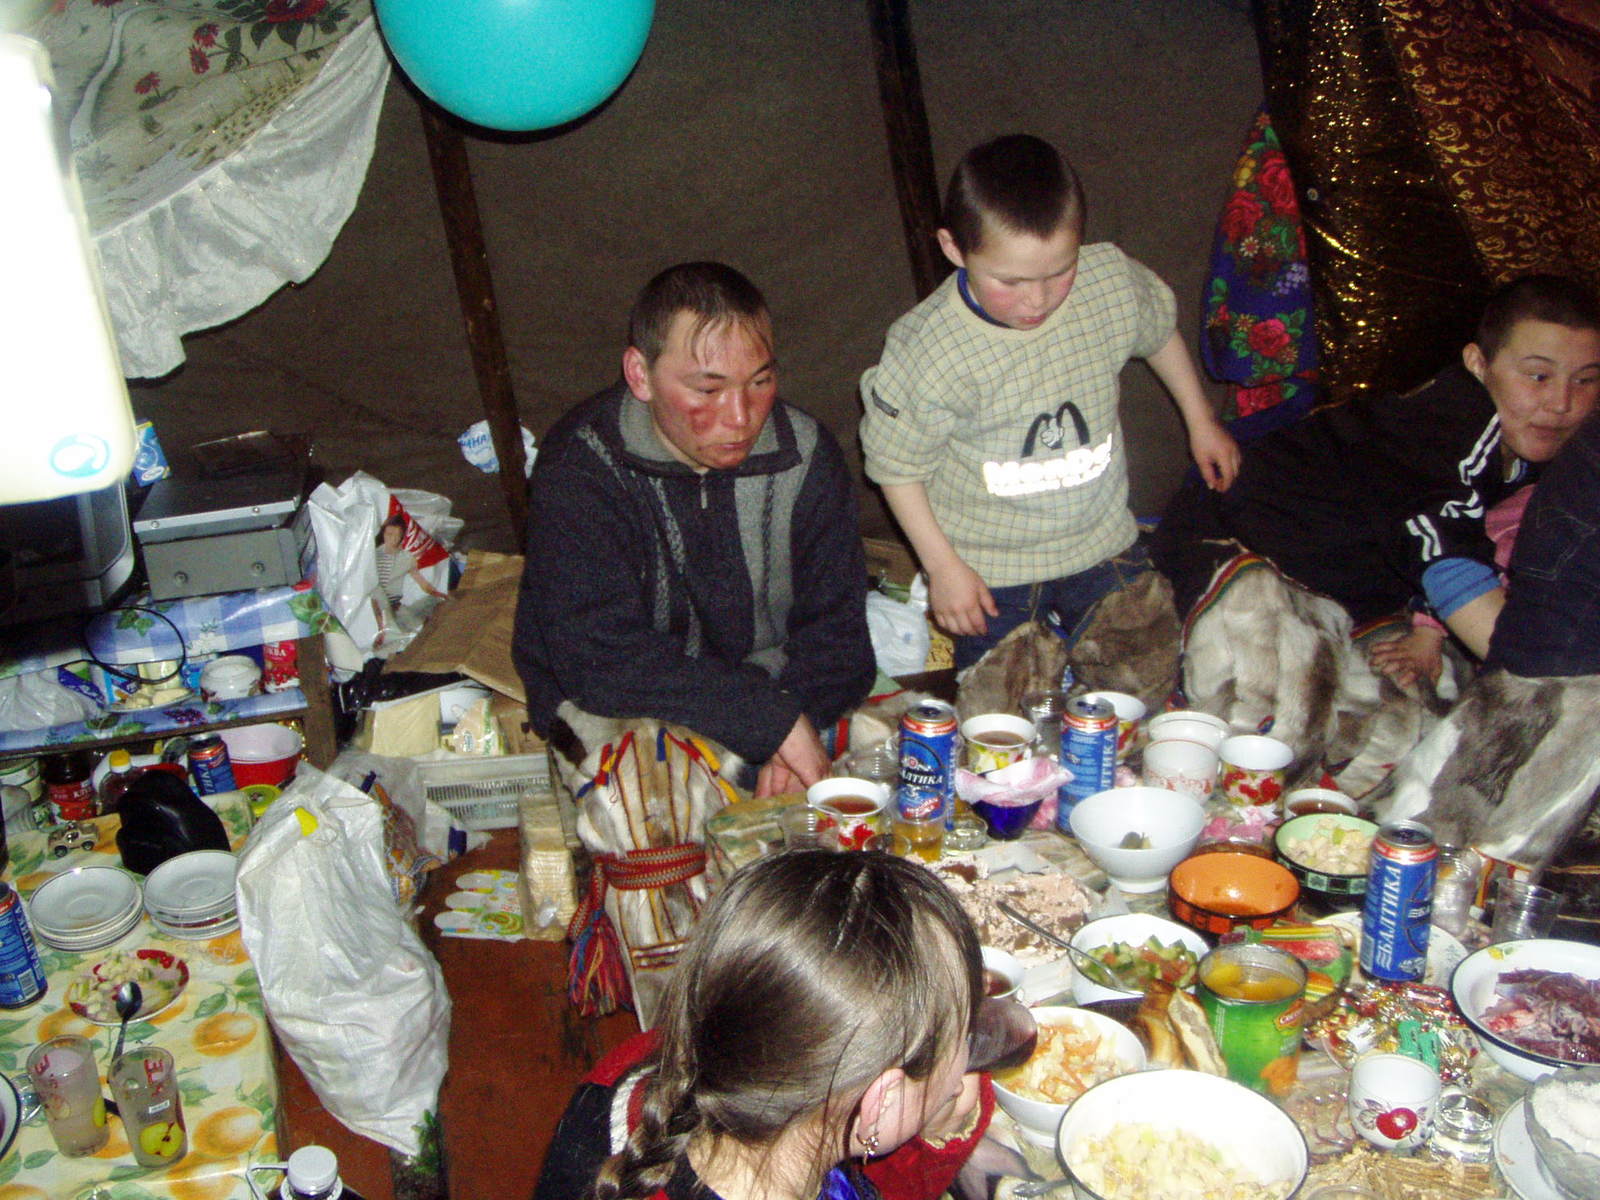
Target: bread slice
<point x="1188" y="1019"/>
<point x="1155" y="1029"/>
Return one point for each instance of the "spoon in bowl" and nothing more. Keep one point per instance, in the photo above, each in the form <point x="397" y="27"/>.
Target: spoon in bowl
<point x="127" y="1000"/>
<point x="1091" y="967"/>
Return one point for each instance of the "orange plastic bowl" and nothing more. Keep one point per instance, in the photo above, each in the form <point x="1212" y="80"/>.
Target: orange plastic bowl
<point x="1217" y="890"/>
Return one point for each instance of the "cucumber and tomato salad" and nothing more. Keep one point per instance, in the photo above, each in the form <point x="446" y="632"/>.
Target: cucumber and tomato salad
<point x="1150" y="959"/>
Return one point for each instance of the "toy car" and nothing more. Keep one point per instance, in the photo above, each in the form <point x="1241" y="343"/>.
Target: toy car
<point x="70" y="836"/>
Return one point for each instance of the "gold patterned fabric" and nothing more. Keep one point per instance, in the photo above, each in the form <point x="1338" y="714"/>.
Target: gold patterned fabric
<point x="1441" y="148"/>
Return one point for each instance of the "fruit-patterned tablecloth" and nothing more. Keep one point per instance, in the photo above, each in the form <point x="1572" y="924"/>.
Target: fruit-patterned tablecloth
<point x="217" y="1031"/>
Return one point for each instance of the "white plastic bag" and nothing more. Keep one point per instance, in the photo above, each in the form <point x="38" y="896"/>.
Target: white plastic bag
<point x="37" y="701"/>
<point x="899" y="630"/>
<point x="347" y="522"/>
<point x="352" y="992"/>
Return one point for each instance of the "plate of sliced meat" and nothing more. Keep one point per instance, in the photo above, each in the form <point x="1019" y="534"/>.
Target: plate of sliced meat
<point x="1535" y="1005"/>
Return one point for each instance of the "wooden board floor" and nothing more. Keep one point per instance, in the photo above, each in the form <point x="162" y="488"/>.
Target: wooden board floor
<point x="517" y="1049"/>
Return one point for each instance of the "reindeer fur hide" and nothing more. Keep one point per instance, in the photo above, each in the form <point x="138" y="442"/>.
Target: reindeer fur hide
<point x="1512" y="770"/>
<point x="1130" y="644"/>
<point x="1267" y="653"/>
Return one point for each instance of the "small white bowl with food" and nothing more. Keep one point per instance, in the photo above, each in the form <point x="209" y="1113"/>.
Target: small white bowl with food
<point x="1076" y="1050"/>
<point x="1563" y="1116"/>
<point x="1136" y="944"/>
<point x="1518" y="997"/>
<point x="1179" y="1135"/>
<point x="1136" y="835"/>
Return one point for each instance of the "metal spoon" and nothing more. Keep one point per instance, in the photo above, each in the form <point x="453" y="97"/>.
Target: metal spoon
<point x="1092" y="968"/>
<point x="127" y="998"/>
<point x="1003" y="1035"/>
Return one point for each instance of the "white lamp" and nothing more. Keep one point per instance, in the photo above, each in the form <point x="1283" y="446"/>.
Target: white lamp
<point x="68" y="427"/>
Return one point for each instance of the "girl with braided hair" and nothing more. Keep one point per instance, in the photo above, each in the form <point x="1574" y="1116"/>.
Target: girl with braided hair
<point x="813" y="1043"/>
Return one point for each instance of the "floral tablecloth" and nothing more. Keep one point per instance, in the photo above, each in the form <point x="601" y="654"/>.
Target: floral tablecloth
<point x="217" y="1031"/>
<point x="220" y="144"/>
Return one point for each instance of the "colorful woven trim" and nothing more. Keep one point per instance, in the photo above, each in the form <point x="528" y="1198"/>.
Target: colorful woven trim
<point x="1220" y="582"/>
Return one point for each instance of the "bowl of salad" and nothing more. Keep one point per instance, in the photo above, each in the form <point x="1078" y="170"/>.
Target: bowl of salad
<point x="1330" y="854"/>
<point x="1136" y="945"/>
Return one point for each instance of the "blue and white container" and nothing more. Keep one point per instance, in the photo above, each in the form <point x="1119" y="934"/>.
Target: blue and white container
<point x="1399" y="902"/>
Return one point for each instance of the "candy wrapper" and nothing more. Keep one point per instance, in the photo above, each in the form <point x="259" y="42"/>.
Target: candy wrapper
<point x="1412" y="1018"/>
<point x="1253" y="824"/>
<point x="1026" y="782"/>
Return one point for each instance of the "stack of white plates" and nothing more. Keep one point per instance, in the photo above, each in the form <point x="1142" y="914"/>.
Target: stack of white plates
<point x="191" y="895"/>
<point x="85" y="908"/>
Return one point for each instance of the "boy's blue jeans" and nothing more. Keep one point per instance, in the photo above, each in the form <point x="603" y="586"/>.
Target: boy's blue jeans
<point x="1062" y="604"/>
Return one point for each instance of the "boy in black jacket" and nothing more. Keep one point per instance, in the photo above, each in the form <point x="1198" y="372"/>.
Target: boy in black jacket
<point x="1382" y="499"/>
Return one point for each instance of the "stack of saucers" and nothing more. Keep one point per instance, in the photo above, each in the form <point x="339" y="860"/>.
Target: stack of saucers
<point x="191" y="895"/>
<point x="86" y="908"/>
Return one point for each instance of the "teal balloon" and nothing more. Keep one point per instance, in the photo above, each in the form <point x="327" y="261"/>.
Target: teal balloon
<point x="516" y="64"/>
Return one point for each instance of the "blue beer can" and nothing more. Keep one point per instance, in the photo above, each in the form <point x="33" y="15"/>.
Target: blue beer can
<point x="22" y="978"/>
<point x="1088" y="750"/>
<point x="210" y="765"/>
<point x="929" y="744"/>
<point x="1399" y="901"/>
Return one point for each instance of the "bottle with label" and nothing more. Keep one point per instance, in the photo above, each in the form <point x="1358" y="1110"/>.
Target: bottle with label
<point x="312" y="1173"/>
<point x="69" y="785"/>
<point x="119" y="774"/>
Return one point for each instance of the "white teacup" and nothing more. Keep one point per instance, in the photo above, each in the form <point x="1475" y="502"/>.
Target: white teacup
<point x="1253" y="769"/>
<point x="1186" y="767"/>
<point x="995" y="740"/>
<point x="1393" y="1099"/>
<point x="852" y="807"/>
<point x="1188" y="725"/>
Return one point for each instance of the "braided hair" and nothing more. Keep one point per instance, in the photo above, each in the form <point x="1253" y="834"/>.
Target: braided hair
<point x="806" y="978"/>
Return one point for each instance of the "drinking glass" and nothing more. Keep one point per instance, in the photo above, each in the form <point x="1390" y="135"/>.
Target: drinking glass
<point x="145" y="1085"/>
<point x="64" y="1073"/>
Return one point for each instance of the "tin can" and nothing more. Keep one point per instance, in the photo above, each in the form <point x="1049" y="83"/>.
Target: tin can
<point x="1088" y="750"/>
<point x="69" y="785"/>
<point x="1399" y="902"/>
<point x="210" y="765"/>
<point x="22" y="978"/>
<point x="1044" y="709"/>
<point x="23" y="773"/>
<point x="929" y="747"/>
<point x="1254" y="999"/>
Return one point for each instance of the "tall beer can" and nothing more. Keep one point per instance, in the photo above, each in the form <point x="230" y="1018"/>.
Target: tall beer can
<point x="22" y="978"/>
<point x="929" y="750"/>
<point x="1088" y="750"/>
<point x="1399" y="902"/>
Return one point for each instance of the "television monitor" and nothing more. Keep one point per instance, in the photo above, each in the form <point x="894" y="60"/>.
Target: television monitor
<point x="71" y="554"/>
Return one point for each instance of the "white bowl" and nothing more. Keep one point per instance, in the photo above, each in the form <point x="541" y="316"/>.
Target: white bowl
<point x="1572" y="1168"/>
<point x="10" y="1114"/>
<point x="83" y="901"/>
<point x="1132" y="929"/>
<point x="1189" y="725"/>
<point x="1007" y="966"/>
<point x="1473" y="988"/>
<point x="1039" y="1118"/>
<point x="1246" y="1126"/>
<point x="1171" y="820"/>
<point x="191" y="886"/>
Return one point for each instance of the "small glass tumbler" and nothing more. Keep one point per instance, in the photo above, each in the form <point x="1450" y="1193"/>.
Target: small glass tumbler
<point x="1523" y="910"/>
<point x="64" y="1073"/>
<point x="144" y="1083"/>
<point x="1455" y="888"/>
<point x="802" y="828"/>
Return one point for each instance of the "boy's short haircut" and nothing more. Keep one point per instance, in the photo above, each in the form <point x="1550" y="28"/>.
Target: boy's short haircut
<point x="1553" y="298"/>
<point x="1018" y="181"/>
<point x="713" y="292"/>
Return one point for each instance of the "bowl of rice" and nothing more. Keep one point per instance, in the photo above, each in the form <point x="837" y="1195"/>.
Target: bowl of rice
<point x="1563" y="1115"/>
<point x="1076" y="1050"/>
<point x="1180" y="1135"/>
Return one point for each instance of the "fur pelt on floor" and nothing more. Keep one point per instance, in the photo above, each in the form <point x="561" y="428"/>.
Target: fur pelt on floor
<point x="1266" y="653"/>
<point x="1512" y="771"/>
<point x="1130" y="644"/>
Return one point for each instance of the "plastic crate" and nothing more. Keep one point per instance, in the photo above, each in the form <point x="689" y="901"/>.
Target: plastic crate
<point x="483" y="793"/>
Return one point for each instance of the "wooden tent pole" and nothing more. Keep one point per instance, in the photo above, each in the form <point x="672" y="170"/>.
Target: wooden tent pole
<point x="458" y="205"/>
<point x="905" y="121"/>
